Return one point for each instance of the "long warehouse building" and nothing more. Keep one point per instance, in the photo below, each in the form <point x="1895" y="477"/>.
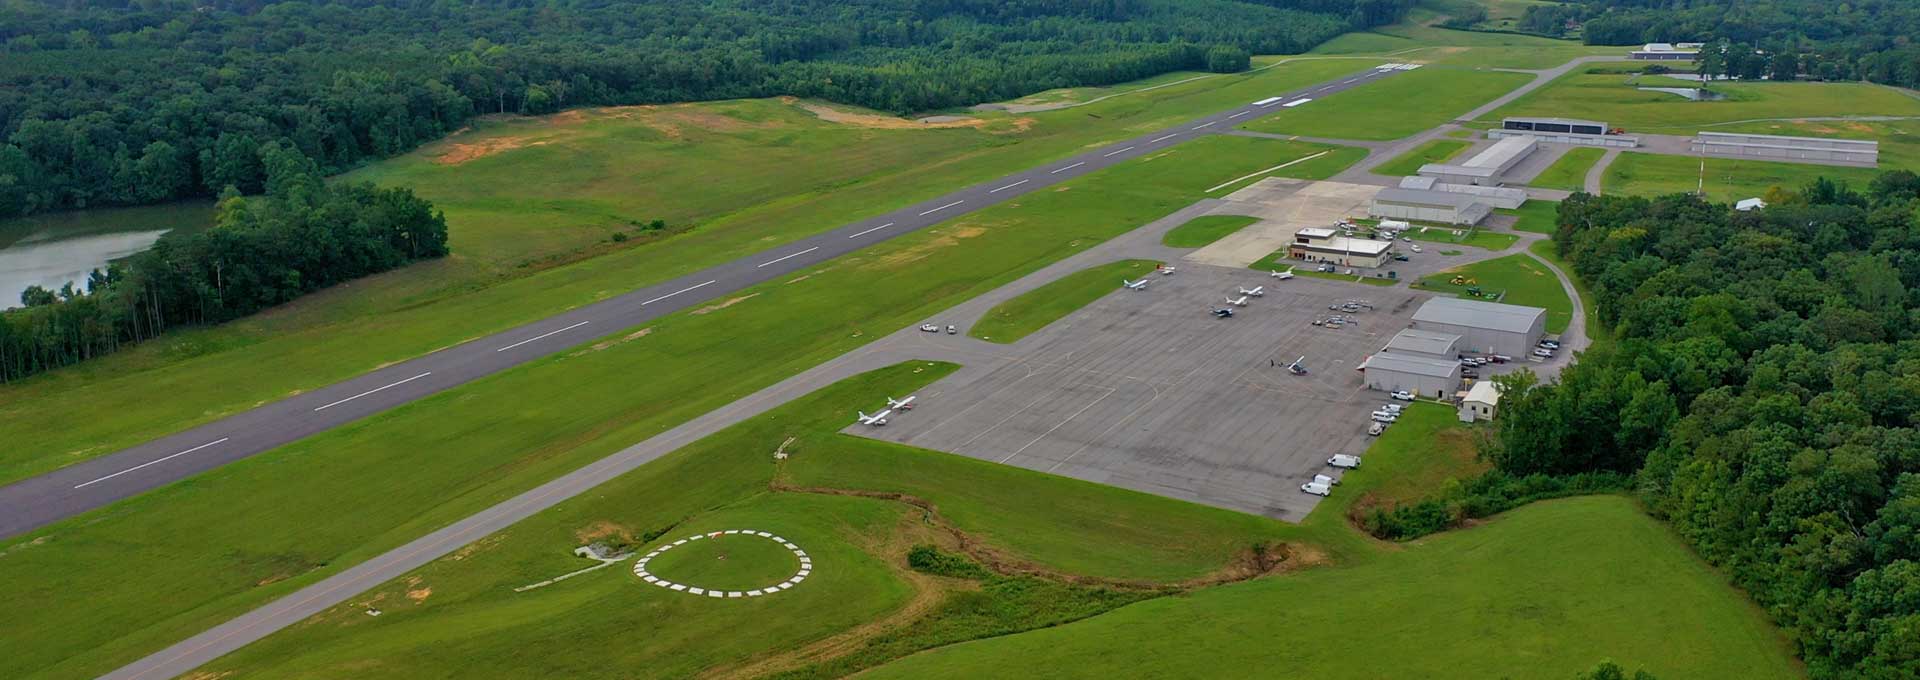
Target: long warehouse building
<point x="1484" y="327"/>
<point x="1784" y="148"/>
<point x="1487" y="168"/>
<point x="1422" y="375"/>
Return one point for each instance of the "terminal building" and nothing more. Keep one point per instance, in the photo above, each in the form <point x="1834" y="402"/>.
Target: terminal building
<point x="1487" y="167"/>
<point x="1484" y="327"/>
<point x="1318" y="244"/>
<point x="1562" y="131"/>
<point x="1784" y="148"/>
<point x="1428" y="205"/>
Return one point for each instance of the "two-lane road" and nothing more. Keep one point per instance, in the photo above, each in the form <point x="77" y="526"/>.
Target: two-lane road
<point x="37" y="501"/>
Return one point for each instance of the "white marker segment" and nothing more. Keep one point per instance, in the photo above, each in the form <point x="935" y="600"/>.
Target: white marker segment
<point x="869" y="231"/>
<point x="786" y="257"/>
<point x="376" y="389"/>
<point x="1206" y="124"/>
<point x="1010" y="186"/>
<point x="153" y="462"/>
<point x="1115" y="151"/>
<point x="1348" y="82"/>
<point x="677" y="292"/>
<point x="1070" y="167"/>
<point x="537" y="337"/>
<point x="944" y="207"/>
<point x="1158" y="140"/>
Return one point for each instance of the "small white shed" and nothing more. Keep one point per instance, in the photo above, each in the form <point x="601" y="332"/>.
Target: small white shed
<point x="1481" y="403"/>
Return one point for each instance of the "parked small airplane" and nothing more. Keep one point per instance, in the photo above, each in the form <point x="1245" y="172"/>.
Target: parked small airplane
<point x="1258" y="291"/>
<point x="901" y="404"/>
<point x="1237" y="302"/>
<point x="1223" y="312"/>
<point x="1164" y="270"/>
<point x="1298" y="368"/>
<point x="1134" y="285"/>
<point x="876" y="419"/>
<point x="1283" y="275"/>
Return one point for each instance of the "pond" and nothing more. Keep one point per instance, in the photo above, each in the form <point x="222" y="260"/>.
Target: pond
<point x="58" y="248"/>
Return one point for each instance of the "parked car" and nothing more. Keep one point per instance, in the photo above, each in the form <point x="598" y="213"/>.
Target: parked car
<point x="1375" y="428"/>
<point x="1341" y="460"/>
<point x="1384" y="416"/>
<point x="1543" y="353"/>
<point x="951" y="330"/>
<point x="1400" y="257"/>
<point x="1317" y="489"/>
<point x="1402" y="395"/>
<point x="1501" y="358"/>
<point x="1415" y="247"/>
<point x="1392" y="408"/>
<point x="930" y="328"/>
<point x="1550" y="344"/>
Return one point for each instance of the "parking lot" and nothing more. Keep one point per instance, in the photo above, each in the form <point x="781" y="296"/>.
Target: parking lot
<point x="1147" y="390"/>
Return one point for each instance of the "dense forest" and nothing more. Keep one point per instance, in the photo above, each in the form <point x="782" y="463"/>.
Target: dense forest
<point x="114" y="103"/>
<point x="301" y="236"/>
<point x="1870" y="40"/>
<point x="1760" y="391"/>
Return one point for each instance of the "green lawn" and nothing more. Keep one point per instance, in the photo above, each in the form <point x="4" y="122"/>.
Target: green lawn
<point x="1550" y="251"/>
<point x="1380" y="110"/>
<point x="1523" y="280"/>
<point x="251" y="530"/>
<point x="1569" y="173"/>
<point x="1418" y="39"/>
<point x="1201" y="231"/>
<point x="1726" y="179"/>
<point x="1436" y="151"/>
<point x="1476" y="237"/>
<point x="1033" y="310"/>
<point x="726" y="562"/>
<point x="747" y="175"/>
<point x="1545" y="591"/>
<point x="1537" y="216"/>
<point x="1602" y="93"/>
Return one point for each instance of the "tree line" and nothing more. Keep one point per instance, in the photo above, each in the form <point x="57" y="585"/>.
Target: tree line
<point x="1869" y="40"/>
<point x="118" y="103"/>
<point x="303" y="235"/>
<point x="1760" y="391"/>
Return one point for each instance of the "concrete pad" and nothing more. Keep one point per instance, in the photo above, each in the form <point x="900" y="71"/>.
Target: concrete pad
<point x="1284" y="206"/>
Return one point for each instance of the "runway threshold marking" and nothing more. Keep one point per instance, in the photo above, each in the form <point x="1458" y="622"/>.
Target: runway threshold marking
<point x="677" y="292"/>
<point x="869" y="231"/>
<point x="376" y="389"/>
<point x="778" y="260"/>
<point x="944" y="207"/>
<point x="151" y="462"/>
<point x="1163" y="138"/>
<point x="1070" y="167"/>
<point x="1010" y="186"/>
<point x="537" y="337"/>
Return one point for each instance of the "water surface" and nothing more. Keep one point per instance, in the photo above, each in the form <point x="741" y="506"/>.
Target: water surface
<point x="59" y="248"/>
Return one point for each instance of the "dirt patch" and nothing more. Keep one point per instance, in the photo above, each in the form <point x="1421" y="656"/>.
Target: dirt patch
<point x="630" y="337"/>
<point x="603" y="529"/>
<point x="803" y="278"/>
<point x="729" y="302"/>
<point x="457" y="153"/>
<point x="207" y="675"/>
<point x="947" y="238"/>
<point x="477" y="547"/>
<point x="276" y="578"/>
<point x="883" y="122"/>
<point x="419" y="595"/>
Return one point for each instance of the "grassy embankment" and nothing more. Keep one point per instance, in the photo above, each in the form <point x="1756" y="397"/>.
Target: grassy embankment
<point x="1200" y="232"/>
<point x="1524" y="282"/>
<point x="1436" y="151"/>
<point x="1379" y="110"/>
<point x="528" y="195"/>
<point x="1023" y="314"/>
<point x="262" y="527"/>
<point x="1569" y="172"/>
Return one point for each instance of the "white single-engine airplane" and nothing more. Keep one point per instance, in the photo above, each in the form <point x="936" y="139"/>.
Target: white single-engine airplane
<point x="876" y="419"/>
<point x="901" y="404"/>
<point x="1298" y="368"/>
<point x="1164" y="270"/>
<point x="1283" y="275"/>
<point x="1134" y="285"/>
<point x="1237" y="302"/>
<point x="1257" y="291"/>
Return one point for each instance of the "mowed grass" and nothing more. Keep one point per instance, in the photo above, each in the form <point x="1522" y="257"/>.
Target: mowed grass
<point x="529" y="224"/>
<point x="1724" y="179"/>
<point x="1602" y="93"/>
<point x="1569" y="172"/>
<point x="1409" y="163"/>
<point x="1454" y="235"/>
<point x="1536" y="216"/>
<point x="1031" y="311"/>
<point x="1381" y="110"/>
<point x="1546" y="591"/>
<point x="1202" y="231"/>
<point x="727" y="562"/>
<point x="1417" y="39"/>
<point x="1523" y="280"/>
<point x="236" y="536"/>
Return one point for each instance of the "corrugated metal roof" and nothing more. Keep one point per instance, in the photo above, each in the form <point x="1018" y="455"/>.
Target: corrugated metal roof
<point x="1564" y="121"/>
<point x="1503" y="153"/>
<point x="1479" y="314"/>
<point x="1413" y="364"/>
<point x="1451" y="169"/>
<point x="1445" y="199"/>
<point x="1417" y="183"/>
<point x="1423" y="342"/>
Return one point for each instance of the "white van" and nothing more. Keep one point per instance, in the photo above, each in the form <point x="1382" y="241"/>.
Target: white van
<point x="1324" y="479"/>
<point x="1317" y="489"/>
<point x="1341" y="460"/>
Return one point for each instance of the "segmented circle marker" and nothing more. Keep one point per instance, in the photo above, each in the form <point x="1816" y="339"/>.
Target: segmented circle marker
<point x="806" y="566"/>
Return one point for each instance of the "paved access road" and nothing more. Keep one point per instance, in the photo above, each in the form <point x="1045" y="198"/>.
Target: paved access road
<point x="41" y="500"/>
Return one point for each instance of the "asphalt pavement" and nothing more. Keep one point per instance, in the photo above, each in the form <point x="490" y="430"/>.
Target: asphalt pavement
<point x="38" y="501"/>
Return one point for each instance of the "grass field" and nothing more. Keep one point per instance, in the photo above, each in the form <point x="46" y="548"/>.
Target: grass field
<point x="727" y="562"/>
<point x="261" y="527"/>
<point x="1033" y="310"/>
<point x="747" y="175"/>
<point x="1436" y="151"/>
<point x="1725" y="179"/>
<point x="1569" y="173"/>
<point x="1418" y="39"/>
<point x="1201" y="231"/>
<point x="1602" y="93"/>
<point x="1535" y="215"/>
<point x="1477" y="238"/>
<point x="1524" y="282"/>
<point x="1379" y="110"/>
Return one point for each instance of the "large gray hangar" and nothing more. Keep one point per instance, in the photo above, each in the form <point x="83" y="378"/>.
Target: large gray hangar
<point x="1484" y="327"/>
<point x="1422" y="375"/>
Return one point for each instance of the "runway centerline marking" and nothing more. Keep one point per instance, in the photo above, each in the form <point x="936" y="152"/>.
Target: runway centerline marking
<point x="1010" y="186"/>
<point x="944" y="207"/>
<point x="1242" y="113"/>
<point x="537" y="337"/>
<point x="1070" y="167"/>
<point x="785" y="258"/>
<point x="151" y="462"/>
<point x="1163" y="138"/>
<point x="376" y="389"/>
<point x="869" y="231"/>
<point x="677" y="292"/>
<point x="1196" y="127"/>
<point x="1115" y="151"/>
